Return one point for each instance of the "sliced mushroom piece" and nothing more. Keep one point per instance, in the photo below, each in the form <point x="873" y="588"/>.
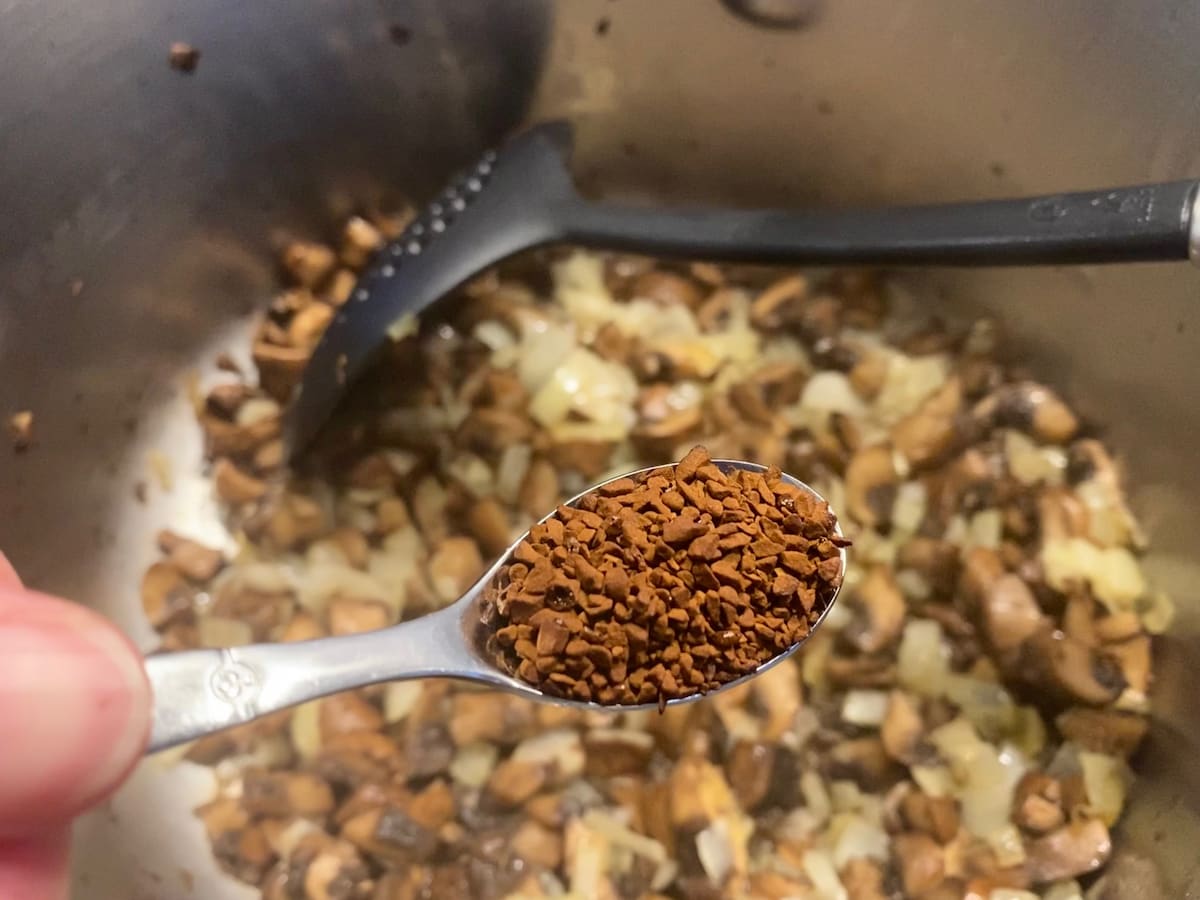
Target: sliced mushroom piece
<point x="1030" y="407"/>
<point x="455" y="565"/>
<point x="307" y="262"/>
<point x="921" y="861"/>
<point x="617" y="751"/>
<point x="668" y="288"/>
<point x="1053" y="663"/>
<point x="295" y="521"/>
<point x="929" y="434"/>
<point x="858" y="671"/>
<point x="1102" y="730"/>
<point x="347" y="713"/>
<point x="1073" y="850"/>
<point x="868" y="374"/>
<point x="937" y="817"/>
<point x="349" y="615"/>
<point x="864" y="761"/>
<point x="279" y="368"/>
<point x="902" y="729"/>
<point x="309" y="324"/>
<point x="1010" y="613"/>
<point x="234" y="486"/>
<point x="539" y="490"/>
<point x="190" y="557"/>
<point x="879" y="612"/>
<point x="488" y="523"/>
<point x="936" y="561"/>
<point x="1133" y="656"/>
<point x="281" y="794"/>
<point x="871" y="483"/>
<point x="863" y="879"/>
<point x="391" y="834"/>
<point x="780" y="302"/>
<point x="1038" y="803"/>
<point x="166" y="595"/>
<point x="982" y="569"/>
<point x="1060" y="515"/>
<point x="749" y="768"/>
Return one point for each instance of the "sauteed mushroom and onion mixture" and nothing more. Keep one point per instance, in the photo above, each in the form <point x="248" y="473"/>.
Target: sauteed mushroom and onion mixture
<point x="961" y="726"/>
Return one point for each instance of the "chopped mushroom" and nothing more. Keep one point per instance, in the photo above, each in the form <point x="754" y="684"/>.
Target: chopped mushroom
<point x="880" y="610"/>
<point x="1010" y="613"/>
<point x="922" y="862"/>
<point x="871" y="482"/>
<point x="902" y="729"/>
<point x="1030" y="407"/>
<point x="927" y="435"/>
<point x="1073" y="850"/>
<point x="192" y="558"/>
<point x="1076" y="671"/>
<point x="1037" y="803"/>
<point x="1103" y="731"/>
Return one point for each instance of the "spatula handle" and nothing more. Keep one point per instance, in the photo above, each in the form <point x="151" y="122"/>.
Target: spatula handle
<point x="1151" y="222"/>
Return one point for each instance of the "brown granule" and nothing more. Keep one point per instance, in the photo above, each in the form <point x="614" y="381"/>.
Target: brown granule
<point x="665" y="584"/>
<point x="20" y="427"/>
<point x="183" y="57"/>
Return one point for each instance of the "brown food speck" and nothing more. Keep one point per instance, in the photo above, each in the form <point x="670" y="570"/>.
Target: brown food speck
<point x="183" y="57"/>
<point x="20" y="426"/>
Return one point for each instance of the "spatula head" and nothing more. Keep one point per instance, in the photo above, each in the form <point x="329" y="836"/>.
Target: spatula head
<point x="504" y="204"/>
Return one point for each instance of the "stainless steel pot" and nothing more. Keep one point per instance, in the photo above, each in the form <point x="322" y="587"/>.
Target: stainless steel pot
<point x="137" y="208"/>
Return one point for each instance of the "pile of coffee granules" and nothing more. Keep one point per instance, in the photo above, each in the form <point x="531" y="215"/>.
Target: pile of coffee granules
<point x="663" y="585"/>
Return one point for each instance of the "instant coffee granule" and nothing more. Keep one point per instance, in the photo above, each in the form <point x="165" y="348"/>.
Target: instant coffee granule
<point x="665" y="584"/>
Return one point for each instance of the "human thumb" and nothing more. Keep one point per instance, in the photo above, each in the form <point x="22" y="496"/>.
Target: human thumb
<point x="74" y="709"/>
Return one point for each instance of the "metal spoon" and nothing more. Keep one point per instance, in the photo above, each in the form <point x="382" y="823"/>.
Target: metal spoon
<point x="197" y="692"/>
<point x="522" y="196"/>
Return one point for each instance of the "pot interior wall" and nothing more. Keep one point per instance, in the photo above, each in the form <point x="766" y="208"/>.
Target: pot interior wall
<point x="141" y="208"/>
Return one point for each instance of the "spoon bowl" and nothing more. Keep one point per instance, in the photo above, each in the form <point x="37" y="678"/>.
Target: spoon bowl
<point x="198" y="692"/>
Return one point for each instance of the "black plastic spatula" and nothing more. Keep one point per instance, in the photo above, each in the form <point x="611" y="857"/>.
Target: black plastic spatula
<point x="522" y="196"/>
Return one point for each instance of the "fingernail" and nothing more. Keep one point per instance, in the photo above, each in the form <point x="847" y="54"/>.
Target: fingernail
<point x="74" y="706"/>
<point x="8" y="575"/>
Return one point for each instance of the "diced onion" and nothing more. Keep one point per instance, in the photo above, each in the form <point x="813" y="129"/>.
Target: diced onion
<point x="305" y="729"/>
<point x="853" y="836"/>
<point x="909" y="509"/>
<point x="816" y="797"/>
<point x="1156" y="612"/>
<point x="399" y="699"/>
<point x="1063" y="890"/>
<point x="985" y="775"/>
<point x="830" y="392"/>
<point x="923" y="660"/>
<point x="819" y="867"/>
<point x="1113" y="573"/>
<point x="1106" y="780"/>
<point x="936" y="781"/>
<point x="472" y="765"/>
<point x="510" y="471"/>
<point x="865" y="708"/>
<point x="1032" y="464"/>
<point x="323" y="582"/>
<point x="1007" y="845"/>
<point x="909" y="380"/>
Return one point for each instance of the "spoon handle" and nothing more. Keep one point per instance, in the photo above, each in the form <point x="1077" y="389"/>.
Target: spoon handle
<point x="197" y="692"/>
<point x="1150" y="222"/>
